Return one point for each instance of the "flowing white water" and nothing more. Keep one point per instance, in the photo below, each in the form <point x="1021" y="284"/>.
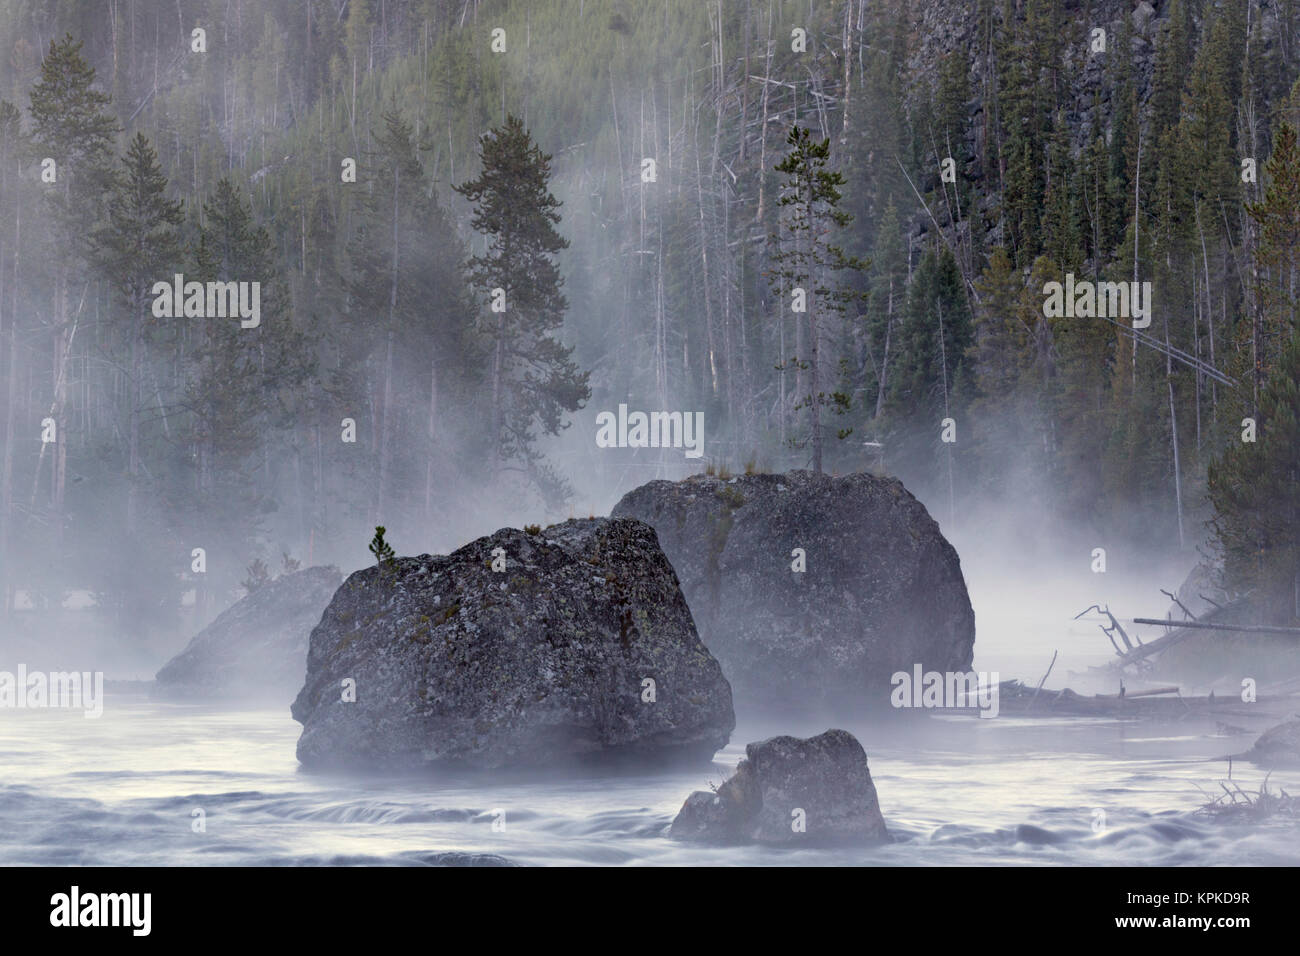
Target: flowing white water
<point x="121" y="790"/>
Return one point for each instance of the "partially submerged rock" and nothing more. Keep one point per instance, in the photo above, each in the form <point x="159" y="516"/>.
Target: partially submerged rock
<point x="582" y="648"/>
<point x="789" y="791"/>
<point x="257" y="648"/>
<point x="1278" y="746"/>
<point x="882" y="589"/>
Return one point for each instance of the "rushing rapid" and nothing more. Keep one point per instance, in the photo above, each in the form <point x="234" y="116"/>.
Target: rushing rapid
<point x="172" y="784"/>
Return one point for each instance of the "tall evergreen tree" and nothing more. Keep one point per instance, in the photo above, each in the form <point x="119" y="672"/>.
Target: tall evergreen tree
<point x="885" y="303"/>
<point x="1255" y="489"/>
<point x="138" y="245"/>
<point x="533" y="378"/>
<point x="73" y="133"/>
<point x="71" y="125"/>
<point x="804" y="266"/>
<point x="1277" y="217"/>
<point x="409" y="313"/>
<point x="242" y="383"/>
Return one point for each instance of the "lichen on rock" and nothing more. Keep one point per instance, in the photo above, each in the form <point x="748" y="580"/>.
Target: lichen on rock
<point x="581" y="649"/>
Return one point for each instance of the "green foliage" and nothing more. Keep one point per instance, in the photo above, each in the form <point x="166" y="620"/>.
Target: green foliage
<point x="1255" y="488"/>
<point x="259" y="576"/>
<point x="140" y="240"/>
<point x="804" y="260"/>
<point x="376" y="292"/>
<point x="533" y="379"/>
<point x="380" y="548"/>
<point x="71" y="125"/>
<point x="1278" y="218"/>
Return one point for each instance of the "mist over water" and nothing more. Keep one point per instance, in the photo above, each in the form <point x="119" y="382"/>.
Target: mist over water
<point x="368" y="308"/>
<point x="123" y="791"/>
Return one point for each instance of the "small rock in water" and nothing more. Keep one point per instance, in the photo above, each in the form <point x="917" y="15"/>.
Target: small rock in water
<point x="790" y="791"/>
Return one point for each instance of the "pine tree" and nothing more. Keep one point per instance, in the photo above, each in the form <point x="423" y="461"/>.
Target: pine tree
<point x="533" y="378"/>
<point x="408" y="311"/>
<point x="140" y="241"/>
<point x="880" y="138"/>
<point x="1207" y="129"/>
<point x="1255" y="489"/>
<point x="380" y="548"/>
<point x="72" y="130"/>
<point x="259" y="576"/>
<point x="240" y="383"/>
<point x="934" y="340"/>
<point x="1173" y="57"/>
<point x="885" y="305"/>
<point x="229" y="383"/>
<point x="1278" y="254"/>
<point x="71" y="125"/>
<point x="804" y="261"/>
<point x="137" y="246"/>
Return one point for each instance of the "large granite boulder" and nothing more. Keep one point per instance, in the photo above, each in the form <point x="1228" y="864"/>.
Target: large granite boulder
<point x="882" y="590"/>
<point x="256" y="650"/>
<point x="581" y="649"/>
<point x="789" y="791"/>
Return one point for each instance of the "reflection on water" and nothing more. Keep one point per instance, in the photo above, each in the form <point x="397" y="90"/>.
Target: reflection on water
<point x="123" y="789"/>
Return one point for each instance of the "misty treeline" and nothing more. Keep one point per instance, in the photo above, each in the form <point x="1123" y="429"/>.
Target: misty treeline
<point x="675" y="277"/>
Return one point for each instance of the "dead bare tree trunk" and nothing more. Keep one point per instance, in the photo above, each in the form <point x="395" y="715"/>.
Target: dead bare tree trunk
<point x="1137" y="220"/>
<point x="884" y="361"/>
<point x="1209" y="315"/>
<point x="943" y="364"/>
<point x="433" y="439"/>
<point x="762" y="134"/>
<point x="7" y="463"/>
<point x="711" y="372"/>
<point x="1173" y="432"/>
<point x="847" y="47"/>
<point x="388" y="360"/>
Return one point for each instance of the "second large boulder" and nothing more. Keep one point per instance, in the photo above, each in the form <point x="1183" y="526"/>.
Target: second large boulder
<point x="812" y="590"/>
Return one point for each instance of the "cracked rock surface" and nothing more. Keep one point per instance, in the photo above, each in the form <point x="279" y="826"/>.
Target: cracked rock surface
<point x="582" y="649"/>
<point x="882" y="591"/>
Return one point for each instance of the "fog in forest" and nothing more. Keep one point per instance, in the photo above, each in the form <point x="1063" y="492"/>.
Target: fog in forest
<point x="320" y="320"/>
<point x="326" y="151"/>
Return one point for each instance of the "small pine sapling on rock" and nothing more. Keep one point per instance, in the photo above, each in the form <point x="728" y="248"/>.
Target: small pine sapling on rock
<point x="381" y="549"/>
<point x="259" y="575"/>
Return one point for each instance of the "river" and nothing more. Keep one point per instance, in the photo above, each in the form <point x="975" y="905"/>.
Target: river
<point x="124" y="790"/>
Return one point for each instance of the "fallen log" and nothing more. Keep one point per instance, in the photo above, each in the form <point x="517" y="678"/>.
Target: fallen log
<point x="1153" y="692"/>
<point x="1181" y="630"/>
<point x="1015" y="699"/>
<point x="1208" y="626"/>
